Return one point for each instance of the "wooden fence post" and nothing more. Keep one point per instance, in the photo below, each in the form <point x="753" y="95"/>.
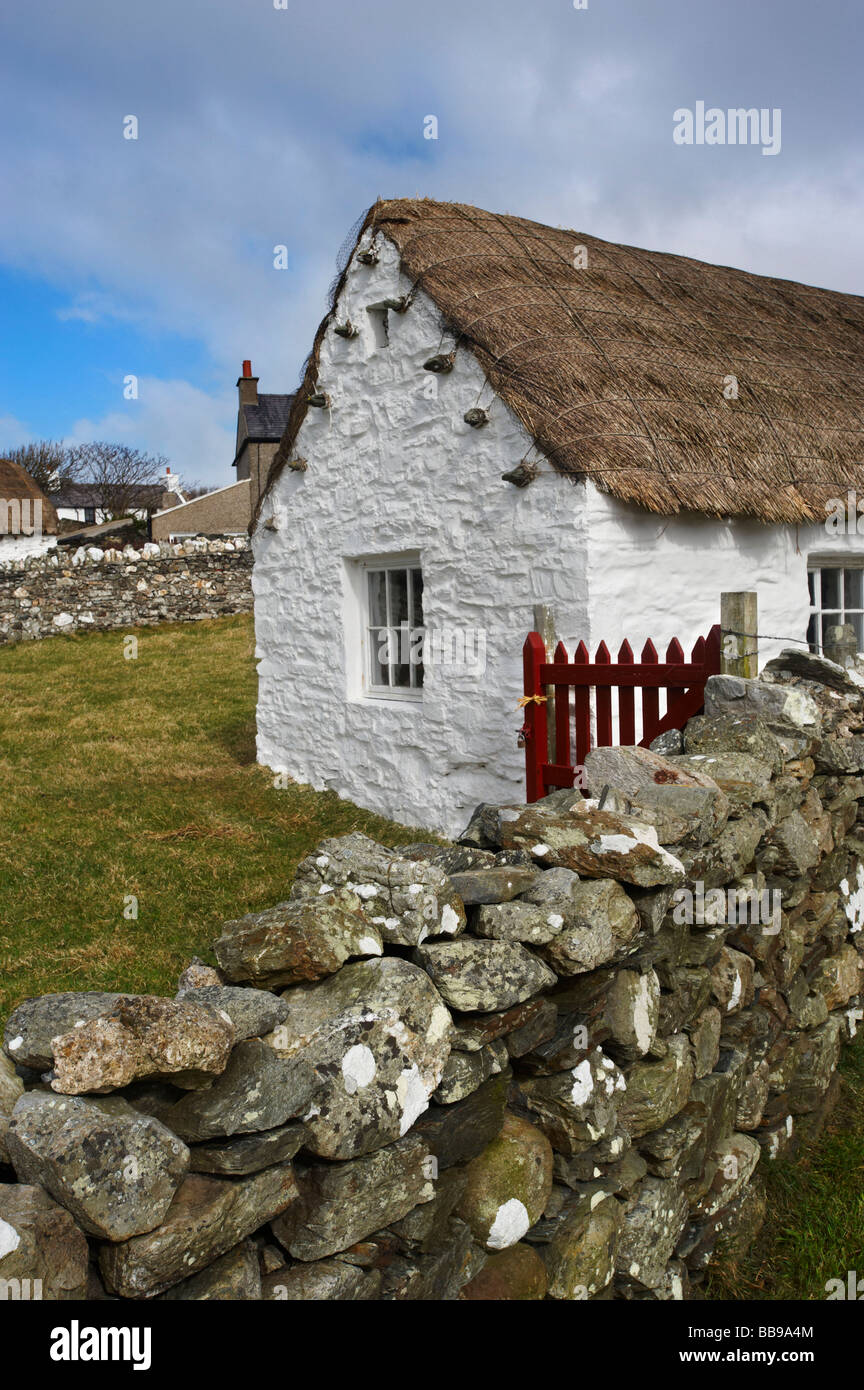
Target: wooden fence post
<point x="544" y="623"/>
<point x="739" y="651"/>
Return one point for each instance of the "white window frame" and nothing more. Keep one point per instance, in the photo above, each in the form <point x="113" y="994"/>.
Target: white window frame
<point x="358" y="629"/>
<point x="815" y="566"/>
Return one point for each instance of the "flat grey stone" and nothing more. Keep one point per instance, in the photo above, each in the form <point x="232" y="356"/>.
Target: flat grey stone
<point x="344" y="1202"/>
<point x="257" y="1091"/>
<point x="465" y="1071"/>
<point x="633" y="1011"/>
<point x="481" y="976"/>
<point x="206" y="1219"/>
<point x="785" y="704"/>
<point x="253" y="1012"/>
<point x="115" y="1170"/>
<point x="323" y="1281"/>
<point x="31" y="1028"/>
<point x="741" y="777"/>
<point x="582" y="1247"/>
<point x="725" y="733"/>
<point x="403" y="899"/>
<point x="452" y="859"/>
<point x="657" y="1090"/>
<point x="594" y="843"/>
<point x="297" y="940"/>
<point x="234" y="1278"/>
<point x="600" y="923"/>
<point x="517" y="921"/>
<point x="678" y="801"/>
<point x="473" y="1031"/>
<point x="809" y="666"/>
<point x="575" y="1108"/>
<point x="377" y="1035"/>
<point x="654" y="1218"/>
<point x="495" y="885"/>
<point x="247" y="1153"/>
<point x="789" y="848"/>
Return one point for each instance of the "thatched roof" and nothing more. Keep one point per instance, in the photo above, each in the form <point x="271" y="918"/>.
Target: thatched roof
<point x="16" y="485"/>
<point x="617" y="369"/>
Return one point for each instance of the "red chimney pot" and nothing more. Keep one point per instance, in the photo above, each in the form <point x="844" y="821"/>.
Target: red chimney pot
<point x="247" y="368"/>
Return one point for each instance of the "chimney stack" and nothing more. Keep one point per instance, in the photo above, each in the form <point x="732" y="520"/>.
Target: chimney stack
<point x="247" y="385"/>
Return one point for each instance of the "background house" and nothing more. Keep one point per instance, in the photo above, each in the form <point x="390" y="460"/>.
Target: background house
<point x="227" y="511"/>
<point x="261" y="421"/>
<point x="83" y="504"/>
<point x="28" y="521"/>
<point x="498" y="414"/>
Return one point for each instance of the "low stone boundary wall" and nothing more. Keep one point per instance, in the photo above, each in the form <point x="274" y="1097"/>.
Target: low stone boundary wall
<point x="549" y="1061"/>
<point x="90" y="589"/>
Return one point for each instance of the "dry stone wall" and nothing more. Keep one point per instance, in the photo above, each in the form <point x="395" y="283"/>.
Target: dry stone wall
<point x="548" y="1061"/>
<point x="90" y="589"/>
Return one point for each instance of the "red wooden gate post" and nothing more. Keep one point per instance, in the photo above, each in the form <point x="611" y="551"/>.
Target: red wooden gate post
<point x="650" y="697"/>
<point x="604" y="701"/>
<point x="713" y="651"/>
<point x="562" y="712"/>
<point x="675" y="657"/>
<point x="626" y="700"/>
<point x="535" y="725"/>
<point x="582" y="703"/>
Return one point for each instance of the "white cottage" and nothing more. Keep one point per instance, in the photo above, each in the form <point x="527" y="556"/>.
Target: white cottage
<point x="498" y="414"/>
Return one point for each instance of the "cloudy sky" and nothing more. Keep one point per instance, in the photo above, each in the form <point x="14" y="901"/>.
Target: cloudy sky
<point x="260" y="127"/>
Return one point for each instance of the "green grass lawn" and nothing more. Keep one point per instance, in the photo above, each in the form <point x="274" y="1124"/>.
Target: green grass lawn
<point x="138" y="778"/>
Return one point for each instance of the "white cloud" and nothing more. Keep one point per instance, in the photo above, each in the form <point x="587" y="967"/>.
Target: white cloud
<point x="194" y="430"/>
<point x="13" y="432"/>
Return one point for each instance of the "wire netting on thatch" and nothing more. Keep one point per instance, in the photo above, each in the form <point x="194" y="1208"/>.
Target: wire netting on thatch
<point x="617" y="366"/>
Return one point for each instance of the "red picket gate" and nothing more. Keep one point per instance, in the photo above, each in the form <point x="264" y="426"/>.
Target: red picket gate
<point x="683" y="680"/>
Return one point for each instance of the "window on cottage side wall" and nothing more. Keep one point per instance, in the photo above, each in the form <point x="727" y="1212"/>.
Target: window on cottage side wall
<point x="836" y="597"/>
<point x="394" y="631"/>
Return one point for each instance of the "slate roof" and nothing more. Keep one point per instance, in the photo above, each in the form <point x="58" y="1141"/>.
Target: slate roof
<point x="267" y="420"/>
<point x="146" y="495"/>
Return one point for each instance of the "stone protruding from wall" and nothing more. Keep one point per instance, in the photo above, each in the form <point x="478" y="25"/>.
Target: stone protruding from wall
<point x="92" y="590"/>
<point x="549" y="1061"/>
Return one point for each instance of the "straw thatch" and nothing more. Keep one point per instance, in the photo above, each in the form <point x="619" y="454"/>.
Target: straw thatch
<point x="617" y="370"/>
<point x="16" y="485"/>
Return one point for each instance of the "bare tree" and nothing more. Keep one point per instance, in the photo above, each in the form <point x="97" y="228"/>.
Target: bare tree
<point x="48" y="462"/>
<point x="118" y="475"/>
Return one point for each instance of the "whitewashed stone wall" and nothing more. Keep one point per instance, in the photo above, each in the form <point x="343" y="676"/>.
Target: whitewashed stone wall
<point x="661" y="577"/>
<point x="390" y="470"/>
